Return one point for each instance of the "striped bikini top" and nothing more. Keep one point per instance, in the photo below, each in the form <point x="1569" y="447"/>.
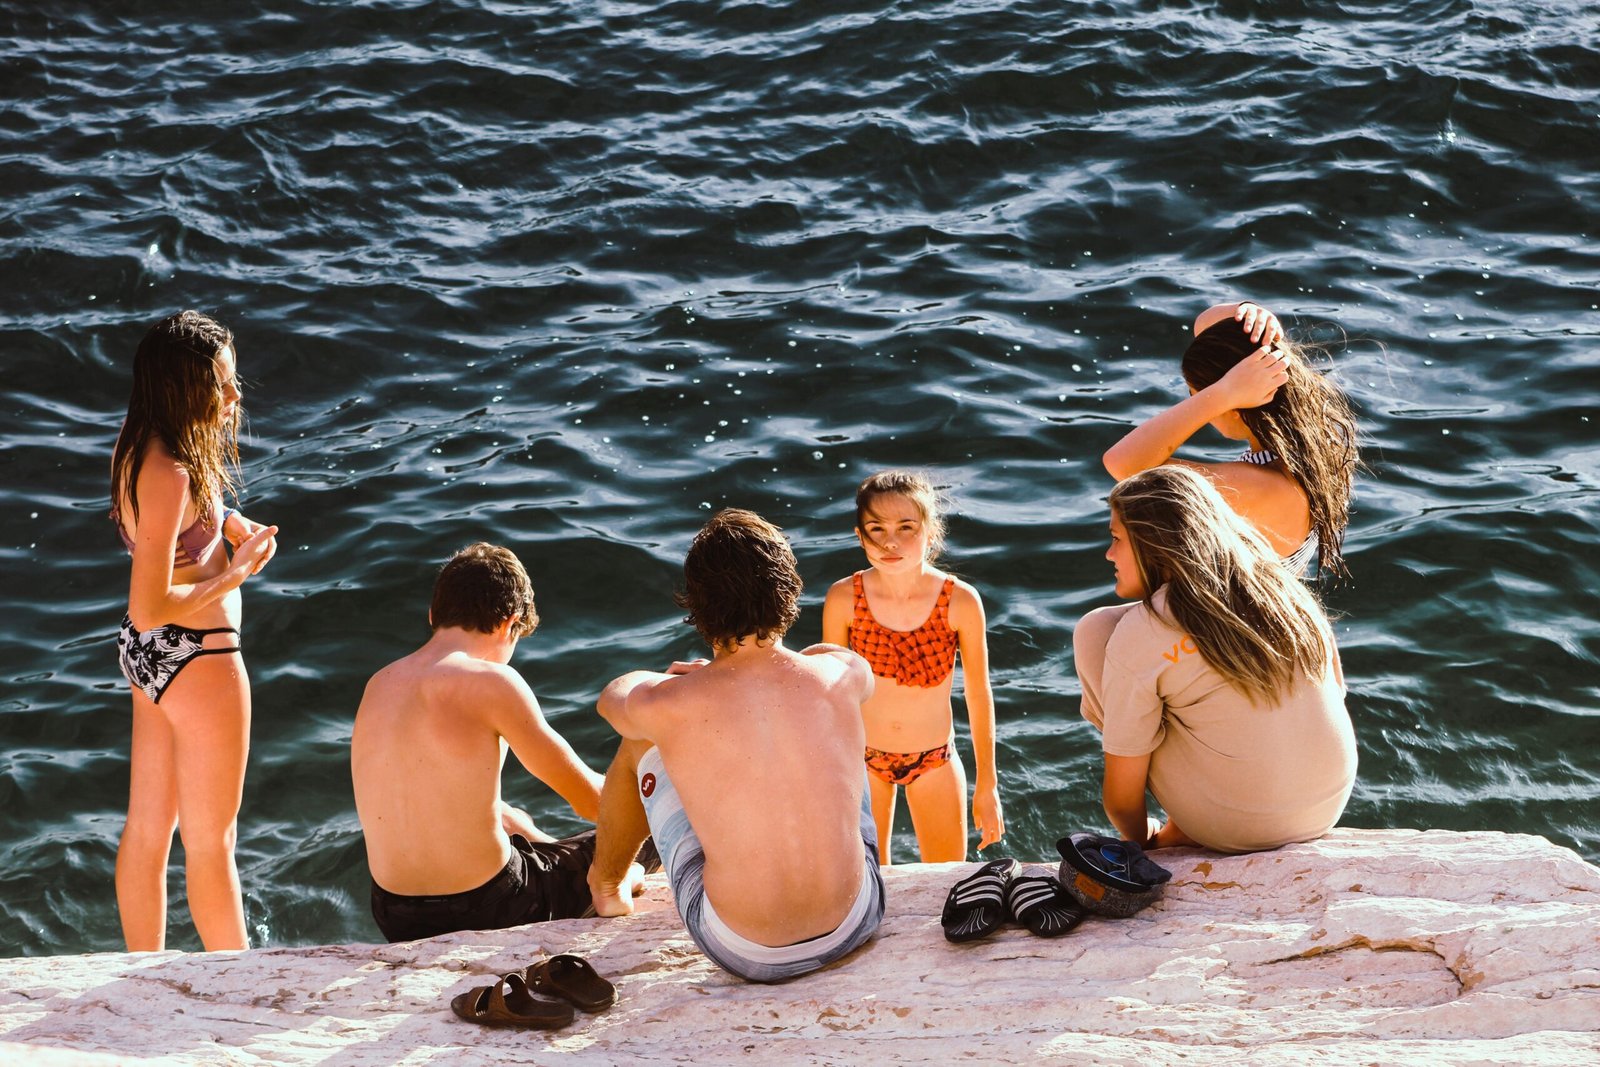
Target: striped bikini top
<point x="195" y="544"/>
<point x="1298" y="561"/>
<point x="923" y="657"/>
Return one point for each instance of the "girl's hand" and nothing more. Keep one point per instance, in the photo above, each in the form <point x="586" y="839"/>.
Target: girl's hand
<point x="687" y="666"/>
<point x="254" y="551"/>
<point x="1255" y="379"/>
<point x="238" y="529"/>
<point x="1261" y="324"/>
<point x="986" y="816"/>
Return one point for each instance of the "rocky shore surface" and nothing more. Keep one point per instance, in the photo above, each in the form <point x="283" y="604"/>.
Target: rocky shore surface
<point x="1366" y="947"/>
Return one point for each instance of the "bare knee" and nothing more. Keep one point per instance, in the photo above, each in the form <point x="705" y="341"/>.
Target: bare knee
<point x="629" y="753"/>
<point x="209" y="840"/>
<point x="1093" y="632"/>
<point x="141" y="847"/>
<point x="146" y="822"/>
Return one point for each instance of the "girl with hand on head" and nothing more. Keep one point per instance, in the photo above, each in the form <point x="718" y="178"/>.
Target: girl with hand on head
<point x="1220" y="691"/>
<point x="1249" y="382"/>
<point x="179" y="642"/>
<point x="909" y="619"/>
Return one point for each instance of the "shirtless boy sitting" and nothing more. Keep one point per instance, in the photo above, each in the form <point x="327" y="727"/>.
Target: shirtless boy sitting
<point x="747" y="772"/>
<point x="446" y="853"/>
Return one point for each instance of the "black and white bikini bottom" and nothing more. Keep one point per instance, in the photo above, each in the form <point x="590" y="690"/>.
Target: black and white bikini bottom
<point x="151" y="660"/>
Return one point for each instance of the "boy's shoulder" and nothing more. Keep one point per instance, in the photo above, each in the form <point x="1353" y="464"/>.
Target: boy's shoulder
<point x="454" y="678"/>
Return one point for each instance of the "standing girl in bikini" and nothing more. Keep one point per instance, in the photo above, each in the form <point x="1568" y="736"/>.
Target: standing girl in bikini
<point x="1293" y="485"/>
<point x="908" y="619"/>
<point x="179" y="642"/>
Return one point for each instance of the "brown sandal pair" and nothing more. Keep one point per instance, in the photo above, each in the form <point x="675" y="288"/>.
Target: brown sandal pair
<point x="511" y="1001"/>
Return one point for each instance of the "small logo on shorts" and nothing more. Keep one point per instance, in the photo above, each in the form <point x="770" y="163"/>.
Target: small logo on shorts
<point x="647" y="784"/>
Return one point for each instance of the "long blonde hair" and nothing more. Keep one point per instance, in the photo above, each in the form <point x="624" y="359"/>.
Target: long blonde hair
<point x="1252" y="620"/>
<point x="177" y="400"/>
<point x="1307" y="424"/>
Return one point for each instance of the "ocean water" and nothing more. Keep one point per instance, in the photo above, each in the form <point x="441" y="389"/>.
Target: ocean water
<point x="569" y="275"/>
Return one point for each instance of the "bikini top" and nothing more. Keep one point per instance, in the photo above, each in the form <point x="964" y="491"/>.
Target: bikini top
<point x="923" y="657"/>
<point x="1300" y="559"/>
<point x="195" y="544"/>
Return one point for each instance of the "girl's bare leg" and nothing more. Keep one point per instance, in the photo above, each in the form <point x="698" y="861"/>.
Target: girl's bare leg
<point x="1089" y="639"/>
<point x="938" y="802"/>
<point x="208" y="707"/>
<point x="147" y="835"/>
<point x="883" y="795"/>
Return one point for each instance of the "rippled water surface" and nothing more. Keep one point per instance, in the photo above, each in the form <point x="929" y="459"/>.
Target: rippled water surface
<point x="568" y="275"/>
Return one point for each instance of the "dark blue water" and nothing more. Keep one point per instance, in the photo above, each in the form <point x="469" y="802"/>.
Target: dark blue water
<point x="569" y="275"/>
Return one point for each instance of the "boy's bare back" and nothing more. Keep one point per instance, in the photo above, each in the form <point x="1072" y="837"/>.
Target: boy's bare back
<point x="764" y="745"/>
<point x="426" y="753"/>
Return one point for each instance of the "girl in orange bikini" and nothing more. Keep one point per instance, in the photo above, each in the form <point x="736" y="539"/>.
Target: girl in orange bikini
<point x="908" y="619"/>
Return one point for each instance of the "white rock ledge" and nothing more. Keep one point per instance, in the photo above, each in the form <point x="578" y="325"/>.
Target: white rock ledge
<point x="1367" y="947"/>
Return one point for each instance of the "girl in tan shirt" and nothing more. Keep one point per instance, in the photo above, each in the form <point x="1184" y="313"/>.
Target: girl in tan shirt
<point x="1221" y="690"/>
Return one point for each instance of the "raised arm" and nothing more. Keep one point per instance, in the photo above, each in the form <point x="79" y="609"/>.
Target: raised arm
<point x="1153" y="441"/>
<point x="1250" y="383"/>
<point x="971" y="626"/>
<point x="1262" y="325"/>
<point x="153" y="599"/>
<point x="545" y="754"/>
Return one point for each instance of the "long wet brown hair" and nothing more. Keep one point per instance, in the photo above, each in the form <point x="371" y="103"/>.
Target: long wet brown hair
<point x="1251" y="618"/>
<point x="1308" y="425"/>
<point x="177" y="400"/>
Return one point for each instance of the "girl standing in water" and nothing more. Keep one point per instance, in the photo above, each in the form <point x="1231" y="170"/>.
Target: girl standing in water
<point x="179" y="643"/>
<point x="1247" y="381"/>
<point x="1220" y="691"/>
<point x="908" y="619"/>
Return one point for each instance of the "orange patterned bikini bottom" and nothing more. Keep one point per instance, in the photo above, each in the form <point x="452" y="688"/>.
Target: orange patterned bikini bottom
<point x="903" y="768"/>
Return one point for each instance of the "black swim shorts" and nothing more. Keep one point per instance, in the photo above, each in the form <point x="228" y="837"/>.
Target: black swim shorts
<point x="543" y="880"/>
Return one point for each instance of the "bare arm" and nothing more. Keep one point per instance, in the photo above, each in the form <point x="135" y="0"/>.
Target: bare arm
<point x="971" y="626"/>
<point x="238" y="529"/>
<point x="153" y="599"/>
<point x="515" y="715"/>
<point x="513" y="820"/>
<point x="1262" y="325"/>
<point x="621" y="702"/>
<point x="837" y="611"/>
<point x="1250" y="383"/>
<point x="1123" y="796"/>
<point x="1152" y="442"/>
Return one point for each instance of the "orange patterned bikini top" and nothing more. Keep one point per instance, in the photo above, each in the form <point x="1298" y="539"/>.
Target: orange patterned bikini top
<point x="923" y="657"/>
